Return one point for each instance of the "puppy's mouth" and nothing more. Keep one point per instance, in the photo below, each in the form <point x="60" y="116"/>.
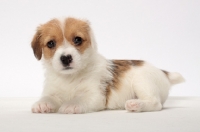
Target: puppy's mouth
<point x="67" y="68"/>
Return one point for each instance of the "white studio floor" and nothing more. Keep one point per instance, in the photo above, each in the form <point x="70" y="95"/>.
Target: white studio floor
<point x="180" y="114"/>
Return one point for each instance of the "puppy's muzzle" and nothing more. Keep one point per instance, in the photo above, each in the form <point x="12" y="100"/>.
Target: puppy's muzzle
<point x="66" y="60"/>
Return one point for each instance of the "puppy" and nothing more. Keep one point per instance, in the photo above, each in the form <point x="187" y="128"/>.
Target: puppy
<point x="79" y="80"/>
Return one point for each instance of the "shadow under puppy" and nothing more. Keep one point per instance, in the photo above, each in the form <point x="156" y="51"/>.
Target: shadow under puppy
<point x="79" y="80"/>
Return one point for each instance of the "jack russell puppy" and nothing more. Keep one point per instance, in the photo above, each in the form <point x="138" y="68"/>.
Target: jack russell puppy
<point x="80" y="80"/>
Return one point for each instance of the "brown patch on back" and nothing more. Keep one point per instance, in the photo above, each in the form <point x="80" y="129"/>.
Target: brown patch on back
<point x="77" y="28"/>
<point x="119" y="68"/>
<point x="46" y="32"/>
<point x="137" y="62"/>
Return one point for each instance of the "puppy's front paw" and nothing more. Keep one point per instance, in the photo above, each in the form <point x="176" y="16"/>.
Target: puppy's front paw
<point x="43" y="107"/>
<point x="71" y="109"/>
<point x="134" y="105"/>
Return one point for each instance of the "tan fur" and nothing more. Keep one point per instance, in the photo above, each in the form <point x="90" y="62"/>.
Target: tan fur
<point x="137" y="62"/>
<point x="36" y="46"/>
<point x="77" y="28"/>
<point x="51" y="31"/>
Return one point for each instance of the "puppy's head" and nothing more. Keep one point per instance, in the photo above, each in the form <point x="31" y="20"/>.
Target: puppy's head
<point x="64" y="44"/>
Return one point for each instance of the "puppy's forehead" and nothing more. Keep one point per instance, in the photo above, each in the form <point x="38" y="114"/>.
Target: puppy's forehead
<point x="67" y="28"/>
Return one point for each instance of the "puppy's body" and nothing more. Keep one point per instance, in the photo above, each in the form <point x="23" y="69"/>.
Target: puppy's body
<point x="79" y="80"/>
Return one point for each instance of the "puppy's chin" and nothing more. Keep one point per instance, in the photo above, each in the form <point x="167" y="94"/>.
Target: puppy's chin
<point x="68" y="72"/>
<point x="64" y="70"/>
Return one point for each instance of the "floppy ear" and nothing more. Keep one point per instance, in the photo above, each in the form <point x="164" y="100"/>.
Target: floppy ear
<point x="36" y="45"/>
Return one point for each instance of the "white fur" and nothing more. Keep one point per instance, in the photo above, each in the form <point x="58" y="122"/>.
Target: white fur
<point x="81" y="90"/>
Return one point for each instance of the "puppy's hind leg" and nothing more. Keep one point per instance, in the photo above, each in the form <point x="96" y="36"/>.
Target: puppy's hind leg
<point x="143" y="105"/>
<point x="148" y="97"/>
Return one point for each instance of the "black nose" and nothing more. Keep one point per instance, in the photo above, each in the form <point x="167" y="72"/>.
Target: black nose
<point x="66" y="60"/>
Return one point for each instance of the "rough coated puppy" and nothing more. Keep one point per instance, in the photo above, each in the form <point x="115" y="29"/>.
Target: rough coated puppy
<point x="79" y="80"/>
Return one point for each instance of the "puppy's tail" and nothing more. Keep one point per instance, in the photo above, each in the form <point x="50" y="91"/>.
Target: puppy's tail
<point x="174" y="77"/>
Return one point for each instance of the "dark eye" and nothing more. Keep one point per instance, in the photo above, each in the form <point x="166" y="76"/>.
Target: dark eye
<point x="78" y="41"/>
<point x="51" y="44"/>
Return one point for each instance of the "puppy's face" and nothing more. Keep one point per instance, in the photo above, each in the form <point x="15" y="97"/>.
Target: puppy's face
<point x="63" y="44"/>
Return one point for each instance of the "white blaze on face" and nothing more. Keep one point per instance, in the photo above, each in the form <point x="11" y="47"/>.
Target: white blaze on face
<point x="65" y="50"/>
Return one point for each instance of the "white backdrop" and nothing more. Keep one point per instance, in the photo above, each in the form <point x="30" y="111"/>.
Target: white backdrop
<point x="163" y="32"/>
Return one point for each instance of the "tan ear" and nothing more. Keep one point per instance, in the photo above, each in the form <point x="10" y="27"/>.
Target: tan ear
<point x="36" y="45"/>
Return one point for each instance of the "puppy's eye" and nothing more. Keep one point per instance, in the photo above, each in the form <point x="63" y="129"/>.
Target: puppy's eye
<point x="51" y="44"/>
<point x="78" y="41"/>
